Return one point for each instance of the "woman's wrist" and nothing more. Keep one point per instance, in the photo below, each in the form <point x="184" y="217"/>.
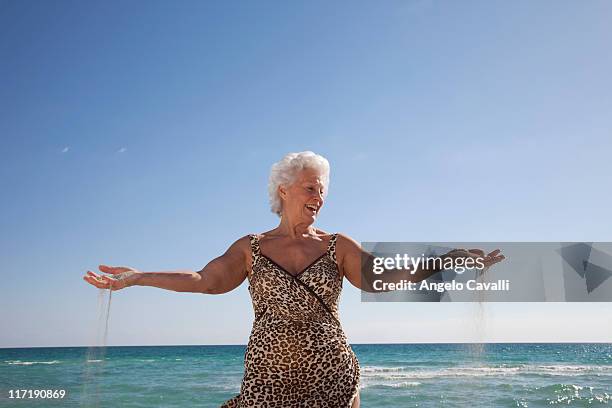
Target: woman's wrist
<point x="138" y="278"/>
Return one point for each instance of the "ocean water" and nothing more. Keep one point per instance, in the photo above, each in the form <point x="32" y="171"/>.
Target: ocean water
<point x="393" y="375"/>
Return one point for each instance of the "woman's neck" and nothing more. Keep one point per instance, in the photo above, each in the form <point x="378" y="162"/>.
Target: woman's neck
<point x="295" y="230"/>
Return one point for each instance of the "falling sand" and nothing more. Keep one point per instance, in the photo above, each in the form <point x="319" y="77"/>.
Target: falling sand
<point x="95" y="356"/>
<point x="478" y="321"/>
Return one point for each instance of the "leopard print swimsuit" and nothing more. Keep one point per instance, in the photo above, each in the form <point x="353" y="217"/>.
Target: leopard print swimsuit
<point x="297" y="355"/>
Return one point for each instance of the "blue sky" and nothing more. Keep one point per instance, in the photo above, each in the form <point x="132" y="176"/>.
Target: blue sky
<point x="142" y="133"/>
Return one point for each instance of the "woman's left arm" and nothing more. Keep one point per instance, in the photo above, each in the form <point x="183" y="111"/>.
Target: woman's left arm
<point x="357" y="265"/>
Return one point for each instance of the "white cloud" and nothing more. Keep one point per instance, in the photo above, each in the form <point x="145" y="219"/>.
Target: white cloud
<point x="122" y="150"/>
<point x="65" y="149"/>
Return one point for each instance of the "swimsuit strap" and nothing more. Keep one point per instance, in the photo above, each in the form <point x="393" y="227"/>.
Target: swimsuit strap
<point x="331" y="248"/>
<point x="255" y="251"/>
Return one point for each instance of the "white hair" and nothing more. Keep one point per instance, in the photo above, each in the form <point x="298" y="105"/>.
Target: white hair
<point x="285" y="171"/>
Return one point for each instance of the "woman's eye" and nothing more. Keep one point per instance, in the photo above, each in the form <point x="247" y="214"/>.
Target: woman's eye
<point x="313" y="189"/>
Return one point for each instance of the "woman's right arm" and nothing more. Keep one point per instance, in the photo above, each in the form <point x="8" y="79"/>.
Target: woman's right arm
<point x="220" y="275"/>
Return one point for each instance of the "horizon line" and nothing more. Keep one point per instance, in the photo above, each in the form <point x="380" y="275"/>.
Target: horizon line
<point x="352" y="344"/>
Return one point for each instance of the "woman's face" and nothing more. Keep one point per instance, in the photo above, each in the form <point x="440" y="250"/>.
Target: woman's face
<point x="304" y="198"/>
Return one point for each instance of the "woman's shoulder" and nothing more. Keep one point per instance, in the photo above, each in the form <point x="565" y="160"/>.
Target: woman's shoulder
<point x="324" y="235"/>
<point x="245" y="244"/>
<point x="346" y="243"/>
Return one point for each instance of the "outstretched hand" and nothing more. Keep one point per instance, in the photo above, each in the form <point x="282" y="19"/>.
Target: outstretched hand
<point x="118" y="277"/>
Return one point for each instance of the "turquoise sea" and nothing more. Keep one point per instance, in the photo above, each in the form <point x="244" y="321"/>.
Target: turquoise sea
<point x="393" y="375"/>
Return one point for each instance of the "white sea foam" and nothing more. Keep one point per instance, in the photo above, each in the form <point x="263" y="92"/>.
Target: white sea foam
<point x="402" y="384"/>
<point x="401" y="373"/>
<point x="383" y="374"/>
<point x="406" y="384"/>
<point x="375" y="369"/>
<point x="19" y="362"/>
<point x="569" y="370"/>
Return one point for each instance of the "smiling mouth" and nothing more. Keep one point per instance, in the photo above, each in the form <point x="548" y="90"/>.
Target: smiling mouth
<point x="313" y="209"/>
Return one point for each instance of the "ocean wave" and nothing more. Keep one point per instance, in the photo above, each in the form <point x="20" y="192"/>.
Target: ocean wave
<point x="376" y="369"/>
<point x="577" y="368"/>
<point x="19" y="362"/>
<point x="568" y="370"/>
<point x="402" y="384"/>
<point x="397" y="373"/>
<point x="402" y="373"/>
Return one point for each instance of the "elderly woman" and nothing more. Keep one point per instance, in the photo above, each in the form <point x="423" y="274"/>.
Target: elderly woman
<point x="297" y="355"/>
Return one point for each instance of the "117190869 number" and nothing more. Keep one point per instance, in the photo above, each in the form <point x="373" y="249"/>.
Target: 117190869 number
<point x="41" y="394"/>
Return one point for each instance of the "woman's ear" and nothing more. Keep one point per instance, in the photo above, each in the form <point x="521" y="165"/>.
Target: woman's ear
<point x="282" y="192"/>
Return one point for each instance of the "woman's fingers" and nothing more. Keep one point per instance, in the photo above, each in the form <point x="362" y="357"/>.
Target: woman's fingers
<point x="478" y="252"/>
<point x="113" y="269"/>
<point x="103" y="282"/>
<point x="94" y="275"/>
<point x="106" y="268"/>
<point x="95" y="278"/>
<point x="97" y="282"/>
<point x="491" y="260"/>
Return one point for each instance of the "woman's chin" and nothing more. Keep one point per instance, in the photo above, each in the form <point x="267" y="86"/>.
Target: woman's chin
<point x="310" y="217"/>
